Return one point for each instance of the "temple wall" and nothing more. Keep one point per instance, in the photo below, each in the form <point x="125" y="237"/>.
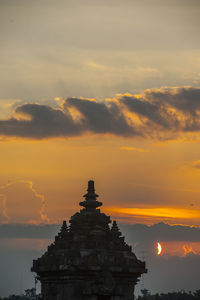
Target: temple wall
<point x="71" y="291"/>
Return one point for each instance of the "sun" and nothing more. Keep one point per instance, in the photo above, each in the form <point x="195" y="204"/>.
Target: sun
<point x="159" y="248"/>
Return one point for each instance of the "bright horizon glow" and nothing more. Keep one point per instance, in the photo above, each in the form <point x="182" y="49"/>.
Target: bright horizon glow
<point x="159" y="248"/>
<point x="165" y="212"/>
<point x="178" y="248"/>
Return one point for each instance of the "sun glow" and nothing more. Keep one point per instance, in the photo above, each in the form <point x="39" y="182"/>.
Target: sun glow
<point x="164" y="212"/>
<point x="159" y="248"/>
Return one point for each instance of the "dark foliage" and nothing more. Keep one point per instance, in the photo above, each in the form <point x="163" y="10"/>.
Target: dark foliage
<point x="181" y="295"/>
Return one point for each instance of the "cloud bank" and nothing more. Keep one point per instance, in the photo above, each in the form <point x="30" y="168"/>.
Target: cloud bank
<point x="161" y="231"/>
<point x="134" y="232"/>
<point x="163" y="113"/>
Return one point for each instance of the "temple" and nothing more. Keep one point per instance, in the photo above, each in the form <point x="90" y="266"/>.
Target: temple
<point x="89" y="259"/>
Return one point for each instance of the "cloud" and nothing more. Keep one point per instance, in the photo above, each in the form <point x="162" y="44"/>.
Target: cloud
<point x="28" y="231"/>
<point x="164" y="113"/>
<point x="27" y="195"/>
<point x="39" y="121"/>
<point x="167" y="109"/>
<point x="101" y="117"/>
<point x="161" y="231"/>
<point x="135" y="233"/>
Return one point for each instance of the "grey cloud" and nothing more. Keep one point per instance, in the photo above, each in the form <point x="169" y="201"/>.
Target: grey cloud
<point x="152" y="111"/>
<point x="12" y="231"/>
<point x="184" y="99"/>
<point x="160" y="232"/>
<point x="172" y="109"/>
<point x="44" y="122"/>
<point x="134" y="233"/>
<point x="101" y="117"/>
<point x="164" y="112"/>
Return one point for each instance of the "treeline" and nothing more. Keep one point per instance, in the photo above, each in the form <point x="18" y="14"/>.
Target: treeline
<point x="181" y="295"/>
<point x="15" y="297"/>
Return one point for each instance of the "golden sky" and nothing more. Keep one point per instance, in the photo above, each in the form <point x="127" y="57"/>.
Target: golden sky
<point x="100" y="90"/>
<point x="158" y="184"/>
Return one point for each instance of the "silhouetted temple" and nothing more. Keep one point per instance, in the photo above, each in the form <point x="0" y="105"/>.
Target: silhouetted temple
<point x="88" y="260"/>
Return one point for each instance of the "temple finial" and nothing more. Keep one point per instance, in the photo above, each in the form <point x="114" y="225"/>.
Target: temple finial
<point x="90" y="202"/>
<point x="91" y="186"/>
<point x="91" y="191"/>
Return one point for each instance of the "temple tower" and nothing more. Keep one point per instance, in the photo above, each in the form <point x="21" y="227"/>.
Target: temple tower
<point x="89" y="260"/>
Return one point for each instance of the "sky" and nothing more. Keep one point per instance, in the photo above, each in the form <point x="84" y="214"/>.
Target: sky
<point x="109" y="91"/>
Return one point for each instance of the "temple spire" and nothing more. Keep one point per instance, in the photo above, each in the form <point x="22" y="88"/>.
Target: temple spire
<point x="64" y="230"/>
<point x="90" y="202"/>
<point x="115" y="229"/>
<point x="64" y="227"/>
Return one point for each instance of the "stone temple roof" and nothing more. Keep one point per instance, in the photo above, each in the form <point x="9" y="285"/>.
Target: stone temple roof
<point x="90" y="243"/>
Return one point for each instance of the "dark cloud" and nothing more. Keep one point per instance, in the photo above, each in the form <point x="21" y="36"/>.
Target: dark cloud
<point x="101" y="117"/>
<point x="135" y="232"/>
<point x="167" y="109"/>
<point x="184" y="99"/>
<point x="28" y="231"/>
<point x="42" y="121"/>
<point x="140" y="233"/>
<point x="152" y="112"/>
<point x="159" y="113"/>
<point x="39" y="121"/>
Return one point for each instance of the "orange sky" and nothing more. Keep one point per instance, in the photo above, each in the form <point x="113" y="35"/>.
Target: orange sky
<point x="159" y="184"/>
<point x="139" y="140"/>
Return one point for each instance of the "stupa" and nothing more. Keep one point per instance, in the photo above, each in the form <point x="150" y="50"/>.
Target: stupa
<point x="89" y="259"/>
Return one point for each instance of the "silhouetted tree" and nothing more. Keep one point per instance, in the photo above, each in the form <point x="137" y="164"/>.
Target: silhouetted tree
<point x="181" y="295"/>
<point x="197" y="294"/>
